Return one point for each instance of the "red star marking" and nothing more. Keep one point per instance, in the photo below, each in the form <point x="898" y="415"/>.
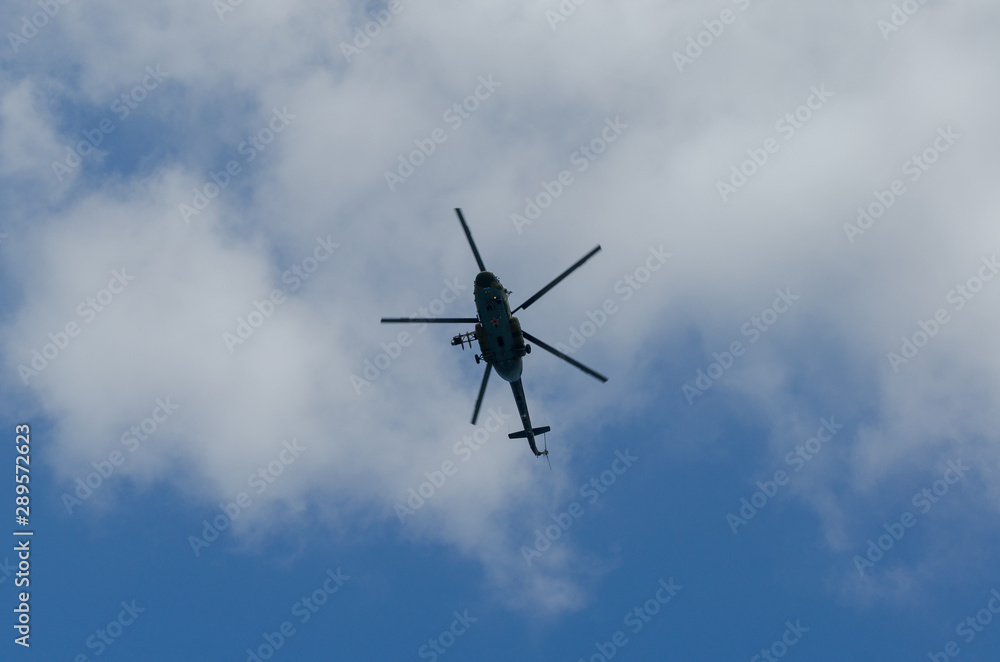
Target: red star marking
<point x="496" y="321"/>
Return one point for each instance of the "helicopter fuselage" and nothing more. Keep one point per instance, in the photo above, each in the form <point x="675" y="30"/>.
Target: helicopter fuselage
<point x="501" y="342"/>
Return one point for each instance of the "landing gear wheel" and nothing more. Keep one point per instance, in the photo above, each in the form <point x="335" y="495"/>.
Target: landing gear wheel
<point x="527" y="349"/>
<point x="477" y="359"/>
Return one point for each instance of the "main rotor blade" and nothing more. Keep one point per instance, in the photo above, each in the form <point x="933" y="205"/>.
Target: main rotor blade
<point x="555" y="351"/>
<point x="548" y="287"/>
<point x="468" y="234"/>
<point x="482" y="391"/>
<point x="429" y="320"/>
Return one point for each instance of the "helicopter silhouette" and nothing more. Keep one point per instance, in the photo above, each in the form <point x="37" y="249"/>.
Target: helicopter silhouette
<point x="501" y="339"/>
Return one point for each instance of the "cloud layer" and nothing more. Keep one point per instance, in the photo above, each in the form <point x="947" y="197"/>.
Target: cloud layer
<point x="914" y="106"/>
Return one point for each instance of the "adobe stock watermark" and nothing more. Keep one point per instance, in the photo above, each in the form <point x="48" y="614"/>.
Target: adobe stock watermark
<point x="223" y="7"/>
<point x="797" y="460"/>
<point x="780" y="647"/>
<point x="714" y="27"/>
<point x="37" y="21"/>
<point x="898" y="17"/>
<point x="635" y="620"/>
<point x="923" y="501"/>
<point x="105" y="637"/>
<point x="123" y="107"/>
<point x="564" y="10"/>
<point x="440" y="644"/>
<point x="581" y="159"/>
<point x="377" y="366"/>
<point x="294" y="276"/>
<point x="259" y="480"/>
<point x="592" y="491"/>
<point x="132" y="439"/>
<point x="365" y="34"/>
<point x="786" y="126"/>
<point x="87" y="310"/>
<point x="464" y="449"/>
<point x="249" y="148"/>
<point x="754" y="329"/>
<point x="245" y="328"/>
<point x="958" y="297"/>
<point x="968" y="628"/>
<point x="625" y="287"/>
<point x="303" y="610"/>
<point x="455" y="116"/>
<point x="914" y="168"/>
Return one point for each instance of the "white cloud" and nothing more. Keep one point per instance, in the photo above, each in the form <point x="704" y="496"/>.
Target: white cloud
<point x="28" y="144"/>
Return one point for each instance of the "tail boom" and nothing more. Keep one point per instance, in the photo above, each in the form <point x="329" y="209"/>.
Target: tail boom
<point x="522" y="409"/>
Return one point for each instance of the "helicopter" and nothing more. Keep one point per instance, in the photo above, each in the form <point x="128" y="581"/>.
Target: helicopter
<point x="501" y="339"/>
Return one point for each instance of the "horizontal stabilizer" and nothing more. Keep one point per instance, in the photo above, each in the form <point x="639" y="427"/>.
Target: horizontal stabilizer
<point x="523" y="434"/>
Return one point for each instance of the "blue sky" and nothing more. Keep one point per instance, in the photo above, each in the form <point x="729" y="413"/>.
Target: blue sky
<point x="208" y="207"/>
